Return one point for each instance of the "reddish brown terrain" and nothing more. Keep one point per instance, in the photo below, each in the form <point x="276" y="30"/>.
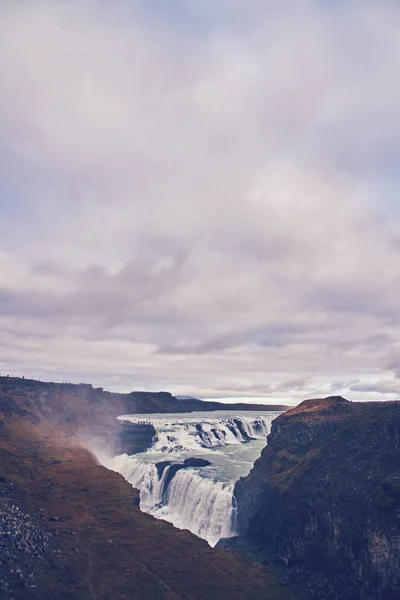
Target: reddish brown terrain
<point x="72" y="530"/>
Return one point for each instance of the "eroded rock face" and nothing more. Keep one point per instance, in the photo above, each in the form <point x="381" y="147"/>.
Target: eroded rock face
<point x="175" y="467"/>
<point x="133" y="438"/>
<point x="196" y="462"/>
<point x="324" y="499"/>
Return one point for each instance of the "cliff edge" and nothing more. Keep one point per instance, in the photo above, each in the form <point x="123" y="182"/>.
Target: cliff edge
<point x="322" y="503"/>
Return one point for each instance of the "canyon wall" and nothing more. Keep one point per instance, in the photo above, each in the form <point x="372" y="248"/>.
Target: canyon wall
<point x="323" y="501"/>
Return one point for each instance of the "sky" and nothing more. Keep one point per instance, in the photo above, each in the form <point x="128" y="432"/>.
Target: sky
<point x="202" y="196"/>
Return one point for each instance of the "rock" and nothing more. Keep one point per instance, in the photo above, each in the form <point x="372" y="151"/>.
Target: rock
<point x="133" y="438"/>
<point x="161" y="466"/>
<point x="173" y="468"/>
<point x="196" y="462"/>
<point x="323" y="500"/>
<point x="172" y="471"/>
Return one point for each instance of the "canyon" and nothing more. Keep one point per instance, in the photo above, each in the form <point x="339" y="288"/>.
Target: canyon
<point x="72" y="528"/>
<point x="317" y="517"/>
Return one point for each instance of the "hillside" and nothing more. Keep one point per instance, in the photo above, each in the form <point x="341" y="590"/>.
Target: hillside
<point x="77" y="404"/>
<point x="90" y="414"/>
<point x="321" y="506"/>
<point x="72" y="529"/>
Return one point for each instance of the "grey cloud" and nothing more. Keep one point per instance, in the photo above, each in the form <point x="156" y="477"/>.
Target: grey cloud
<point x="141" y="290"/>
<point x="299" y="384"/>
<point x="272" y="336"/>
<point x="381" y="387"/>
<point x="196" y="204"/>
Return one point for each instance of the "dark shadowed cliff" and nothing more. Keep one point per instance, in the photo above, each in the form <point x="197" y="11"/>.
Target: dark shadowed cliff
<point x="323" y="501"/>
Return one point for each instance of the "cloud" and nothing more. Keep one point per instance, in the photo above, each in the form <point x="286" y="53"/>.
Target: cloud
<point x="383" y="386"/>
<point x="198" y="200"/>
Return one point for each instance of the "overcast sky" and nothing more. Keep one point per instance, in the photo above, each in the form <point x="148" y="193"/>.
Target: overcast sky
<point x="202" y="196"/>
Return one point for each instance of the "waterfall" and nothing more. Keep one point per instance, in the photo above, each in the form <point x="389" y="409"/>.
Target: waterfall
<point x="191" y="433"/>
<point x="201" y="505"/>
<point x="189" y="501"/>
<point x="196" y="498"/>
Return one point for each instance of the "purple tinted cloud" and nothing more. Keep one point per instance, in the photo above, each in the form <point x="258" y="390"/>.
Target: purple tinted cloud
<point x="201" y="200"/>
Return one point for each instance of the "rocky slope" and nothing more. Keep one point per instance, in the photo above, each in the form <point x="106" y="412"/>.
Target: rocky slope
<point x="323" y="501"/>
<point x="90" y="413"/>
<point x="69" y="528"/>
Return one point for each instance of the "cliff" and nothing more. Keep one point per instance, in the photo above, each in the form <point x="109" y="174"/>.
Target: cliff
<point x="90" y="414"/>
<point x="322" y="504"/>
<point x="81" y="404"/>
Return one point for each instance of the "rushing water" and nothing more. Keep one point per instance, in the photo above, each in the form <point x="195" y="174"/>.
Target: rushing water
<point x="196" y="498"/>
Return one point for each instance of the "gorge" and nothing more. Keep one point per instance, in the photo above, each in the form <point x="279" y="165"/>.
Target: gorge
<point x="317" y="514"/>
<point x="187" y="474"/>
<point x="93" y="541"/>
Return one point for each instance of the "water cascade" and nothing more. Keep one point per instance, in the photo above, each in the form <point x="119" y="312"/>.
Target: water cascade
<point x="198" y="498"/>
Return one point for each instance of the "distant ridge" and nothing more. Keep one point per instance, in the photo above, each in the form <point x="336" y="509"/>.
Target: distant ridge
<point x="27" y="391"/>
